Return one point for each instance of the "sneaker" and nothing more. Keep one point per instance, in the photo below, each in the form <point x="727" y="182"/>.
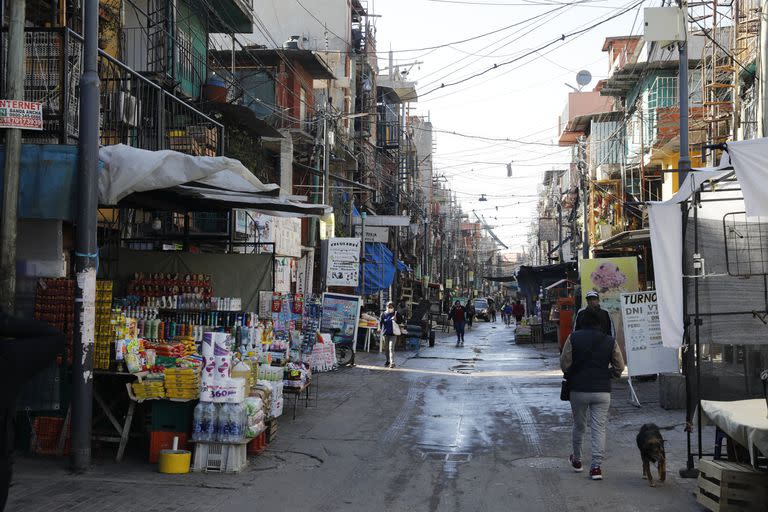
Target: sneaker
<point x="386" y="365"/>
<point x="576" y="464"/>
<point x="392" y="365"/>
<point x="595" y="473"/>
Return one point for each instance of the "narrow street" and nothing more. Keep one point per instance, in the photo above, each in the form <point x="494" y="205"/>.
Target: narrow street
<point x="478" y="428"/>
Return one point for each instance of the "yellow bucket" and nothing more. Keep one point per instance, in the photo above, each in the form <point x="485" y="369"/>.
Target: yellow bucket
<point x="174" y="462"/>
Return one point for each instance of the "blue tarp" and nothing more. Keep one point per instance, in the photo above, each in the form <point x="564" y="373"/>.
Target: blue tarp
<point x="379" y="268"/>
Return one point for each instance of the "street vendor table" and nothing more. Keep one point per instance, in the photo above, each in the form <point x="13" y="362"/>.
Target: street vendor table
<point x="108" y="407"/>
<point x="745" y="421"/>
<point x="369" y="329"/>
<point x="297" y="392"/>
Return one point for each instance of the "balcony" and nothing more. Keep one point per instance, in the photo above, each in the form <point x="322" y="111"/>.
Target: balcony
<point x="662" y="116"/>
<point x="134" y="110"/>
<point x="232" y="15"/>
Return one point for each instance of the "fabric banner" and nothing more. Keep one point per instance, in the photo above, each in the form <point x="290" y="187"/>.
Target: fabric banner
<point x="233" y="275"/>
<point x="642" y="336"/>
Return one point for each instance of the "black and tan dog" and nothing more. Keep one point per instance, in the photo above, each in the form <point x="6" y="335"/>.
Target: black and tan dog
<point x="651" y="446"/>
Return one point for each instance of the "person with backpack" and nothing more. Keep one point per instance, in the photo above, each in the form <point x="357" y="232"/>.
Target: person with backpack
<point x="589" y="359"/>
<point x="458" y="315"/>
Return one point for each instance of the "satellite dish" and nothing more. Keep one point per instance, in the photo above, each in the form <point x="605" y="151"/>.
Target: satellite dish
<point x="583" y="77"/>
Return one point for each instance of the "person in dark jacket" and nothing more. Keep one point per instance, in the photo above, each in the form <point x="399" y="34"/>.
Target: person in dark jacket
<point x="518" y="311"/>
<point x="458" y="314"/>
<point x="469" y="314"/>
<point x="589" y="359"/>
<point x="26" y="347"/>
<point x="593" y="304"/>
<point x="388" y="336"/>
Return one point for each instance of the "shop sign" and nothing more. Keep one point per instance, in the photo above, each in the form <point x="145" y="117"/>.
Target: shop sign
<point x="24" y="115"/>
<point x="283" y="274"/>
<point x="305" y="274"/>
<point x="548" y="229"/>
<point x="374" y="234"/>
<point x="646" y="355"/>
<point x="449" y="283"/>
<point x="343" y="262"/>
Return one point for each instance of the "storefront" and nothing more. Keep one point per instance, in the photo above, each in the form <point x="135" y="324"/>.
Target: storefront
<point x="193" y="343"/>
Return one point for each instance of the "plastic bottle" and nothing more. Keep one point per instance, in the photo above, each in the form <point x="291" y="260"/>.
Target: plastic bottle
<point x="225" y="424"/>
<point x="201" y="423"/>
<point x="216" y="424"/>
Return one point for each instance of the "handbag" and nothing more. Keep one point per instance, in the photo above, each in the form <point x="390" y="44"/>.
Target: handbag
<point x="395" y="328"/>
<point x="565" y="387"/>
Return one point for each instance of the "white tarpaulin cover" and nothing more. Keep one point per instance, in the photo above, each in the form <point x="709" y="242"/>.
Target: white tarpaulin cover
<point x="745" y="421"/>
<point x="128" y="170"/>
<point x="750" y="164"/>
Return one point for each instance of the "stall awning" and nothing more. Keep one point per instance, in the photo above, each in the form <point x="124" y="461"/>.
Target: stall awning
<point x="626" y="239"/>
<point x="379" y="268"/>
<point x="173" y="180"/>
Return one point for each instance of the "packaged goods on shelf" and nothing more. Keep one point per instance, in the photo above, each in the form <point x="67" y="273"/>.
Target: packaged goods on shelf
<point x="275" y="405"/>
<point x="182" y="383"/>
<point x="148" y="389"/>
<point x="296" y="374"/>
<point x="54" y="304"/>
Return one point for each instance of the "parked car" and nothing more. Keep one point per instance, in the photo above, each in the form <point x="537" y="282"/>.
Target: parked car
<point x="481" y="309"/>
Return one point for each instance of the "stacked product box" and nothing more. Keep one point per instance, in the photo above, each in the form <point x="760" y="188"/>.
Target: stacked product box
<point x="105" y="330"/>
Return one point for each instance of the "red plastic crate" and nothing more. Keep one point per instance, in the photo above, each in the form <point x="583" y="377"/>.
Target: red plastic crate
<point x="164" y="441"/>
<point x="46" y="433"/>
<point x="258" y="444"/>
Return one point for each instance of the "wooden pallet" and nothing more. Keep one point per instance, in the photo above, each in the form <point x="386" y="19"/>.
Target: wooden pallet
<point x="725" y="486"/>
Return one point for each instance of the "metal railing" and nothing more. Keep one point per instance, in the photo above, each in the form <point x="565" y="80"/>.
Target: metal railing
<point x="134" y="110"/>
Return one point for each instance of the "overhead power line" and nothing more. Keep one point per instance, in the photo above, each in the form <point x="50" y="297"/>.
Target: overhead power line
<point x="563" y="37"/>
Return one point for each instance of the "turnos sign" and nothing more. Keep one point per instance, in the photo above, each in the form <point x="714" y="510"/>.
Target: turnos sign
<point x="642" y="335"/>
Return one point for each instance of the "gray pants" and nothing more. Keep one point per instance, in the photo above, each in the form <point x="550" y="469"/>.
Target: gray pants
<point x="389" y="347"/>
<point x="597" y="405"/>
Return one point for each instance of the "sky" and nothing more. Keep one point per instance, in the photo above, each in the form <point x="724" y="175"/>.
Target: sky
<point x="521" y="100"/>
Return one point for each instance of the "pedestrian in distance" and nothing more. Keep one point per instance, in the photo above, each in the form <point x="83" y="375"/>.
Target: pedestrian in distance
<point x="589" y="359"/>
<point x="492" y="311"/>
<point x="507" y="313"/>
<point x="593" y="303"/>
<point x="389" y="332"/>
<point x="469" y="314"/>
<point x="458" y="315"/>
<point x="26" y="348"/>
<point x="518" y="311"/>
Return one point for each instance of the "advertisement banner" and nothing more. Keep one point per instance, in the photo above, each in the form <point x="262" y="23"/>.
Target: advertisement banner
<point x="343" y="262"/>
<point x="341" y="314"/>
<point x="610" y="277"/>
<point x="373" y="234"/>
<point x="25" y="115"/>
<point x="642" y="336"/>
<point x="305" y="274"/>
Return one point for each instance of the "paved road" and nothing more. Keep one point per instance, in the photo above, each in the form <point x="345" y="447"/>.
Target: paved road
<point x="478" y="428"/>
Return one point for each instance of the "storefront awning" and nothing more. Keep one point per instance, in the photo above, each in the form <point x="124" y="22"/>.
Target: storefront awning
<point x="128" y="170"/>
<point x="173" y="180"/>
<point x="626" y="239"/>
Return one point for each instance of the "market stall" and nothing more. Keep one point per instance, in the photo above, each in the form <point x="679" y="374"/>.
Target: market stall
<point x="708" y="245"/>
<point x="190" y="337"/>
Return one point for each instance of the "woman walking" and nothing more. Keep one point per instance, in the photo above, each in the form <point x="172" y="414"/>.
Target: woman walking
<point x="389" y="332"/>
<point x="589" y="359"/>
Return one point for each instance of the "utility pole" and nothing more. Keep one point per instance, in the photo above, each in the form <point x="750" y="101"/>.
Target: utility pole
<point x="582" y="166"/>
<point x="684" y="163"/>
<point x="86" y="249"/>
<point x="762" y="74"/>
<point x="15" y="91"/>
<point x="326" y="163"/>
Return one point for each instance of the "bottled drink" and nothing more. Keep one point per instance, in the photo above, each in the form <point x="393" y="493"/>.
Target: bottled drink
<point x="203" y="424"/>
<point x="197" y="422"/>
<point x="225" y="423"/>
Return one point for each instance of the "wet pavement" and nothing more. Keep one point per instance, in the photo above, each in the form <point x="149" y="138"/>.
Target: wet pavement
<point x="473" y="428"/>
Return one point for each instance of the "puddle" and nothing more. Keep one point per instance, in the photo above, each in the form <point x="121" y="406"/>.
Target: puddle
<point x="465" y="369"/>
